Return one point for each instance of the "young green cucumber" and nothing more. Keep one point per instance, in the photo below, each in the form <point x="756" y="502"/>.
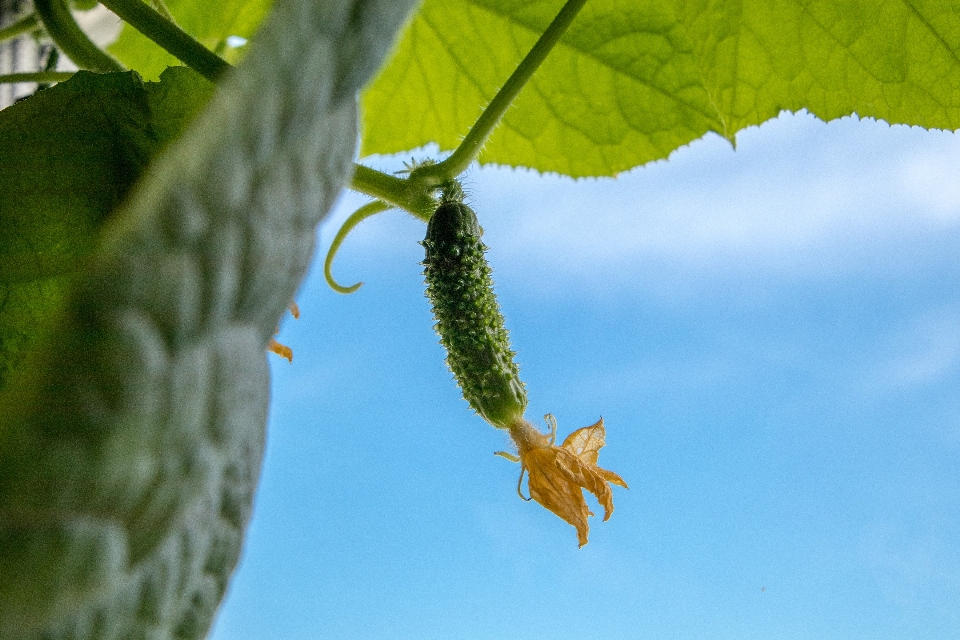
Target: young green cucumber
<point x="479" y="355"/>
<point x="469" y="322"/>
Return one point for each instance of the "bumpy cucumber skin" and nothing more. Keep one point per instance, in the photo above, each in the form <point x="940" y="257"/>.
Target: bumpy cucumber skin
<point x="469" y="322"/>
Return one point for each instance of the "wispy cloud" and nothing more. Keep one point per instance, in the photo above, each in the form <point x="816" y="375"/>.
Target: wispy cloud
<point x="924" y="352"/>
<point x="798" y="195"/>
<point x="932" y="179"/>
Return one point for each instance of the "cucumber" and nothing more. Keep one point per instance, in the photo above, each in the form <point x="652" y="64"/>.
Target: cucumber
<point x="471" y="328"/>
<point x="468" y="318"/>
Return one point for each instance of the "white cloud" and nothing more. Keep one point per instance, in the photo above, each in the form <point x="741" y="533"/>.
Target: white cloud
<point x="799" y="200"/>
<point x="798" y="196"/>
<point x="933" y="180"/>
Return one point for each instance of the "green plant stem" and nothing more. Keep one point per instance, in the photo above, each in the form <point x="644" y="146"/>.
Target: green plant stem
<point x="358" y="216"/>
<point x="398" y="192"/>
<point x="37" y="76"/>
<point x="414" y="193"/>
<point x="165" y="33"/>
<point x="163" y="10"/>
<point x="20" y="27"/>
<point x="457" y="163"/>
<point x="70" y="38"/>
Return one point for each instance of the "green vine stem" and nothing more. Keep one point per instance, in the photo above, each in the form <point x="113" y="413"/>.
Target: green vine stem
<point x="70" y="38"/>
<point x="358" y="216"/>
<point x="471" y="145"/>
<point x="168" y="35"/>
<point x="20" y="27"/>
<point x="413" y="194"/>
<point x="399" y="192"/>
<point x="163" y="10"/>
<point x="37" y="76"/>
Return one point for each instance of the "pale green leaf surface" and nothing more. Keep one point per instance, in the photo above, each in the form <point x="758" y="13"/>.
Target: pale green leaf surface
<point x="130" y="442"/>
<point x="210" y="22"/>
<point x="72" y="153"/>
<point x="632" y="81"/>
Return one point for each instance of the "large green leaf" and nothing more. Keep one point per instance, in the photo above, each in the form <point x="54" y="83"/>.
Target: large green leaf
<point x="72" y="154"/>
<point x="632" y="81"/>
<point x="131" y="436"/>
<point x="209" y="22"/>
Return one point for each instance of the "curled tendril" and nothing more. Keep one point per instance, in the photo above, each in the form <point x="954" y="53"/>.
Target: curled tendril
<point x="358" y="216"/>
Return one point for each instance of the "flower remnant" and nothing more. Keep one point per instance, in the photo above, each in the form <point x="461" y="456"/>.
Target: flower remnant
<point x="558" y="475"/>
<point x="283" y="350"/>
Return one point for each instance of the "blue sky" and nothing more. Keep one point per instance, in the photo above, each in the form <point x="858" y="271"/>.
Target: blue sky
<point x="772" y="335"/>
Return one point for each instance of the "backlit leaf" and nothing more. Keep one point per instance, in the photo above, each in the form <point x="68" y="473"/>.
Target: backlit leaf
<point x="70" y="156"/>
<point x="632" y="81"/>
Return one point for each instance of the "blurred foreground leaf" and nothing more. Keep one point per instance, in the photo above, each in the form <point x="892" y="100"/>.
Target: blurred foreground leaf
<point x="131" y="436"/>
<point x="70" y="156"/>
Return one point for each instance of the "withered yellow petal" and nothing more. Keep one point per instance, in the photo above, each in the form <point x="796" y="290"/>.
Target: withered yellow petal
<point x="280" y="349"/>
<point x="558" y="476"/>
<point x="610" y="476"/>
<point x="552" y="485"/>
<point x="586" y="443"/>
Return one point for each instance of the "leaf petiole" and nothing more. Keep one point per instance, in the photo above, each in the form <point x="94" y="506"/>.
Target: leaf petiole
<point x="168" y="35"/>
<point x="413" y="194"/>
<point x="37" y="76"/>
<point x="471" y="145"/>
<point x="23" y="25"/>
<point x="70" y="38"/>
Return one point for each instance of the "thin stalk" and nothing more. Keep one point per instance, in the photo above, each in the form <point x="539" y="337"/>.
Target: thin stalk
<point x="20" y="27"/>
<point x="469" y="148"/>
<point x="165" y="33"/>
<point x="37" y="76"/>
<point x="397" y="192"/>
<point x="413" y="194"/>
<point x="70" y="38"/>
